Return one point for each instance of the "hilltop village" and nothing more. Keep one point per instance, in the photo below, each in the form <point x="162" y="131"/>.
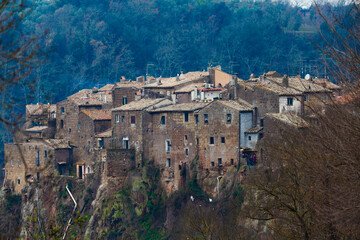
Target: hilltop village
<point x="211" y="119"/>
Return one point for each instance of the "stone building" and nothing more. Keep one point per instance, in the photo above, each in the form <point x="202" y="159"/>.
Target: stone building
<point x="172" y="141"/>
<point x="40" y="114"/>
<point x="130" y="124"/>
<point x="67" y="121"/>
<point x="198" y="92"/>
<point x="91" y="123"/>
<point x="125" y="92"/>
<point x="218" y="77"/>
<point x="29" y="161"/>
<point x="221" y="133"/>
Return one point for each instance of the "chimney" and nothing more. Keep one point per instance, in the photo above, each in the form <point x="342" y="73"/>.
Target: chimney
<point x="285" y="81"/>
<point x="140" y="79"/>
<point x="95" y="90"/>
<point x="177" y="78"/>
<point x="159" y="82"/>
<point x="235" y="79"/>
<point x="252" y="76"/>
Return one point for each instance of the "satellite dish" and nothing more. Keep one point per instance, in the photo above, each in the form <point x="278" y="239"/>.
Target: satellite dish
<point x="307" y="77"/>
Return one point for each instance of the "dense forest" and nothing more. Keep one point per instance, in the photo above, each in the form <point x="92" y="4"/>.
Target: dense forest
<point x="89" y="43"/>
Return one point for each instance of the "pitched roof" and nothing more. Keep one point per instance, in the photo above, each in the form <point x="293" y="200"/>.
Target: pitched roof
<point x="98" y="114"/>
<point x="107" y="87"/>
<point x="181" y="107"/>
<point x="254" y="130"/>
<point x="106" y="134"/>
<point x="36" y="129"/>
<point x="189" y="88"/>
<point x="240" y="104"/>
<point x="274" y="87"/>
<point x="300" y="84"/>
<point x="209" y="89"/>
<point x="57" y="143"/>
<point x="326" y="83"/>
<point x="129" y="84"/>
<point x="90" y="97"/>
<point x="289" y="118"/>
<point x="39" y="109"/>
<point x="141" y="104"/>
<point x="172" y="81"/>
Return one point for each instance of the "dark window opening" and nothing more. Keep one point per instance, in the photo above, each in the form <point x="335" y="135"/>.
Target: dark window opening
<point x="228" y="118"/>
<point x="117" y="119"/>
<point x="219" y="161"/>
<point x="261" y="122"/>
<point x="212" y="164"/>
<point x="222" y="139"/>
<point x="62" y="110"/>
<point x="45" y="153"/>
<point x="168" y="162"/>
<point x="123" y="118"/>
<point x="196" y="119"/>
<point x="69" y="130"/>
<point x="249" y="138"/>
<point x="185" y="137"/>
<point x="162" y="120"/>
<point x="132" y="119"/>
<point x="211" y="140"/>
<point x="18" y="181"/>
<point x="124" y="100"/>
<point x="62" y="124"/>
<point x="38" y="159"/>
<point x="168" y="145"/>
<point x="179" y="167"/>
<point x="186" y="117"/>
<point x="206" y="119"/>
<point x="232" y="161"/>
<point x="197" y="141"/>
<point x="187" y="151"/>
<point x="290" y="101"/>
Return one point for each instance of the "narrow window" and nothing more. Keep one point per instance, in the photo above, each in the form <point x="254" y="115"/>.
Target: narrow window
<point x="212" y="164"/>
<point x="88" y="169"/>
<point x="89" y="146"/>
<point x="186" y="117"/>
<point x="185" y="137"/>
<point x="62" y="110"/>
<point x="196" y="118"/>
<point x="206" y="120"/>
<point x="168" y="162"/>
<point x="222" y="139"/>
<point x="69" y="130"/>
<point x="261" y="122"/>
<point x="19" y="162"/>
<point x="211" y="140"/>
<point x="38" y="176"/>
<point x="62" y="124"/>
<point x="232" y="161"/>
<point x="79" y="126"/>
<point x="12" y="163"/>
<point x="168" y="146"/>
<point x="249" y="138"/>
<point x="117" y="120"/>
<point x="197" y="140"/>
<point x="132" y="119"/>
<point x="18" y="180"/>
<point x="305" y="98"/>
<point x="45" y="153"/>
<point x="38" y="159"/>
<point x="162" y="120"/>
<point x="186" y="151"/>
<point x="124" y="100"/>
<point x="290" y="101"/>
<point x="219" y="161"/>
<point x="168" y="93"/>
<point x="228" y="118"/>
<point x="123" y="118"/>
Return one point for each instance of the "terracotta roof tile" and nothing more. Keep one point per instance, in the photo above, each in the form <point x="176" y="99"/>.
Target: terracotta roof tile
<point x="98" y="114"/>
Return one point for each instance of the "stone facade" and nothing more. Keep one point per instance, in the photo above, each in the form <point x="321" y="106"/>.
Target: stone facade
<point x="126" y="92"/>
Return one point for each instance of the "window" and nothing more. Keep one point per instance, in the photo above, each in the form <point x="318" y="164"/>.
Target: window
<point x="261" y="122"/>
<point x="196" y="118"/>
<point x="222" y="139"/>
<point x="168" y="93"/>
<point x="124" y="100"/>
<point x="290" y="101"/>
<point x="79" y="125"/>
<point x="62" y="110"/>
<point x="197" y="140"/>
<point x="69" y="130"/>
<point x="123" y="118"/>
<point x="18" y="180"/>
<point x="38" y="176"/>
<point x="45" y="153"/>
<point x="206" y="120"/>
<point x="132" y="119"/>
<point x="168" y="162"/>
<point x="88" y="169"/>
<point x="228" y="118"/>
<point x="19" y="162"/>
<point x="186" y="151"/>
<point x="117" y="120"/>
<point x="305" y="98"/>
<point x="186" y="117"/>
<point x="219" y="161"/>
<point x="162" y="120"/>
<point x="168" y="146"/>
<point x="89" y="146"/>
<point x="211" y="140"/>
<point x="232" y="161"/>
<point x="185" y="137"/>
<point x="249" y="138"/>
<point x="212" y="164"/>
<point x="62" y="124"/>
<point x="38" y="159"/>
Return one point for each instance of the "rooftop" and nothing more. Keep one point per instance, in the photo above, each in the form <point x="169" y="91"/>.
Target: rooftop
<point x="106" y="134"/>
<point x="98" y="114"/>
<point x="326" y="83"/>
<point x="40" y="109"/>
<point x="288" y="118"/>
<point x="91" y="97"/>
<point x="129" y="84"/>
<point x="300" y="84"/>
<point x="240" y="104"/>
<point x="142" y="104"/>
<point x="254" y="130"/>
<point x="175" y="81"/>
<point x="181" y="107"/>
<point x="107" y="87"/>
<point x="273" y="87"/>
<point x="189" y="88"/>
<point x="36" y="129"/>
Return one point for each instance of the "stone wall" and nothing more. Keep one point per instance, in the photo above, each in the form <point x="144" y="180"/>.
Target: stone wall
<point x="119" y="93"/>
